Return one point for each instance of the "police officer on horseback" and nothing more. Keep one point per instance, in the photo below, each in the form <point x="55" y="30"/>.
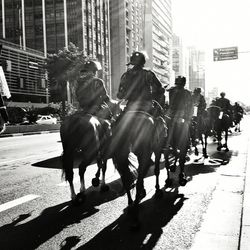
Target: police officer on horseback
<point x="199" y="105"/>
<point x="225" y="106"/>
<point x="92" y="95"/>
<point x="180" y="112"/>
<point x="140" y="87"/>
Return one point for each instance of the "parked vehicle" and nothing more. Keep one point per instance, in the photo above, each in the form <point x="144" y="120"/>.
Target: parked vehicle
<point x="46" y="119"/>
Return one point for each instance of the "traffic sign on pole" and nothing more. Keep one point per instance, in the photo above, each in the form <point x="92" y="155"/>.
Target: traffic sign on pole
<point x="222" y="54"/>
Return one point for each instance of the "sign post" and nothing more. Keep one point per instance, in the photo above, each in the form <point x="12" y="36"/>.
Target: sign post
<point x="222" y="54"/>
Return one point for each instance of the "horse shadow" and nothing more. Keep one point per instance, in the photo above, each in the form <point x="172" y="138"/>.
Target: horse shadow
<point x="205" y="166"/>
<point x="154" y="215"/>
<point x="53" y="220"/>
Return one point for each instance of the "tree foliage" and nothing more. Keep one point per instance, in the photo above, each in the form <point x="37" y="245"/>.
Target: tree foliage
<point x="62" y="67"/>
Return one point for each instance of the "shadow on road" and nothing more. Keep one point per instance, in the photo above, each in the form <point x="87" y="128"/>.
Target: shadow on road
<point x="154" y="215"/>
<point x="52" y="220"/>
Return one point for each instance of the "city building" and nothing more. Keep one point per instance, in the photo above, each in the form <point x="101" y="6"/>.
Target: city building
<point x="180" y="58"/>
<point x="25" y="75"/>
<point x="196" y="68"/>
<point x="50" y="25"/>
<point x="126" y="35"/>
<point x="158" y="37"/>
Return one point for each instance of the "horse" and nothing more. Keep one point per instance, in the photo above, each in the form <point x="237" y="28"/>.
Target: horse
<point x="237" y="117"/>
<point x="135" y="132"/>
<point x="220" y="123"/>
<point x="84" y="136"/>
<point x="200" y="130"/>
<point x="178" y="141"/>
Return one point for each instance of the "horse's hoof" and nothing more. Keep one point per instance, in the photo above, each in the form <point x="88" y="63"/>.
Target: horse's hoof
<point x="158" y="194"/>
<point x="95" y="182"/>
<point x="183" y="182"/>
<point x="105" y="188"/>
<point x="141" y="195"/>
<point x="168" y="183"/>
<point x="226" y="149"/>
<point x="182" y="179"/>
<point x="196" y="152"/>
<point x="79" y="199"/>
<point x="219" y="148"/>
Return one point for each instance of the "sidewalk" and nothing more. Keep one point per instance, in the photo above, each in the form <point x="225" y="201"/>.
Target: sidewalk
<point x="226" y="225"/>
<point x="20" y="130"/>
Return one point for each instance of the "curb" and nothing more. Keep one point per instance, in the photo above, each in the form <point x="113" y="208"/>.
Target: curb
<point x="28" y="133"/>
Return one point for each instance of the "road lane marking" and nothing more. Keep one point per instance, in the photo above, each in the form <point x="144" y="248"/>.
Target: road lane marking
<point x="18" y="201"/>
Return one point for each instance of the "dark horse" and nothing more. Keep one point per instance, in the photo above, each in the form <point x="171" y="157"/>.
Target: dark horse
<point x="237" y="117"/>
<point x="201" y="129"/>
<point x="133" y="132"/>
<point x="139" y="133"/>
<point x="82" y="135"/>
<point x="178" y="142"/>
<point x="220" y="123"/>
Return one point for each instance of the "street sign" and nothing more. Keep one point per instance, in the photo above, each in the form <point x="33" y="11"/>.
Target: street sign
<point x="223" y="54"/>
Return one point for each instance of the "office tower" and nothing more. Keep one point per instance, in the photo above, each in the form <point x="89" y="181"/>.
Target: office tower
<point x="158" y="37"/>
<point x="50" y="25"/>
<point x="126" y="35"/>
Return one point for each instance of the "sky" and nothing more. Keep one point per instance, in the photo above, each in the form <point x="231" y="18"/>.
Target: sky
<point x="211" y="24"/>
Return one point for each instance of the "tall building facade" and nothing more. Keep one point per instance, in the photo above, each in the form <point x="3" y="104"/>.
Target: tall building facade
<point x="25" y="74"/>
<point x="50" y="25"/>
<point x="179" y="58"/>
<point x="158" y="37"/>
<point x="126" y="35"/>
<point x="196" y="68"/>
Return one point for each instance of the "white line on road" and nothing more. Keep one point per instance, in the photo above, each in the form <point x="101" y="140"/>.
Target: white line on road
<point x="18" y="201"/>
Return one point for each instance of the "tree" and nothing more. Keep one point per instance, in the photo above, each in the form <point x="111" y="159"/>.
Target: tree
<point x="63" y="67"/>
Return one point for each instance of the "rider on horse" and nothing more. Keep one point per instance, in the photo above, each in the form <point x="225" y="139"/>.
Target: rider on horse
<point x="180" y="112"/>
<point x="92" y="96"/>
<point x="140" y="87"/>
<point x="225" y="106"/>
<point x="237" y="109"/>
<point x="199" y="104"/>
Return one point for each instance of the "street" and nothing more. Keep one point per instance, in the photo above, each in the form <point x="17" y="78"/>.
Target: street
<point x="36" y="213"/>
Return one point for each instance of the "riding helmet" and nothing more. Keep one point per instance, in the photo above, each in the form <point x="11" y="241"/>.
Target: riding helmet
<point x="137" y="58"/>
<point x="180" y="80"/>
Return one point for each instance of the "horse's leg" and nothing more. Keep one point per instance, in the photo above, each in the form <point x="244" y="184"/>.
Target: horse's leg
<point x="183" y="146"/>
<point x="158" y="193"/>
<point x="226" y="137"/>
<point x="68" y="161"/>
<point x="122" y="164"/>
<point x="82" y="169"/>
<point x="104" y="186"/>
<point x="144" y="164"/>
<point x="204" y="149"/>
<point x="219" y="132"/>
<point x="168" y="181"/>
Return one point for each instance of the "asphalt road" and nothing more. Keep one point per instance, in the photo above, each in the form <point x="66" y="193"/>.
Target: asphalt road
<point x="36" y="213"/>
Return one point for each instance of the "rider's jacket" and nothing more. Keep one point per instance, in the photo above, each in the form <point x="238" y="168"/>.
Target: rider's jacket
<point x="90" y="91"/>
<point x="140" y="85"/>
<point x="200" y="102"/>
<point x="224" y="104"/>
<point x="180" y="103"/>
<point x="238" y="109"/>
